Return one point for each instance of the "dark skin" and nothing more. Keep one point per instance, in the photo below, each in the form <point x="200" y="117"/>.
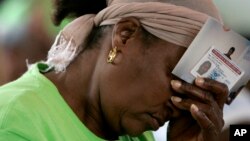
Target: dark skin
<point x="204" y="123"/>
<point x="133" y="94"/>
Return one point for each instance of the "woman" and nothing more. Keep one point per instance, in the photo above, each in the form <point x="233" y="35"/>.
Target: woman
<point x="108" y="77"/>
<point x="204" y="67"/>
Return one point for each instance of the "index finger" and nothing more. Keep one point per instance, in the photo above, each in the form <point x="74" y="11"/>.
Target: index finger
<point x="192" y="91"/>
<point x="218" y="90"/>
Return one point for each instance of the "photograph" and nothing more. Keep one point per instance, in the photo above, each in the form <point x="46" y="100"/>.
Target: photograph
<point x="217" y="54"/>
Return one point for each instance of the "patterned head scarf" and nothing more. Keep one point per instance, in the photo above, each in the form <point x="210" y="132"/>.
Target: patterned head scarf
<point x="167" y="21"/>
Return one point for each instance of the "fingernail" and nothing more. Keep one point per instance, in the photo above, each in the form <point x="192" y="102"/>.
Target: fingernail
<point x="194" y="108"/>
<point x="176" y="83"/>
<point x="176" y="99"/>
<point x="200" y="80"/>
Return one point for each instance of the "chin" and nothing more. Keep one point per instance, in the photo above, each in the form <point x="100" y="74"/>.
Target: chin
<point x="134" y="129"/>
<point x="137" y="125"/>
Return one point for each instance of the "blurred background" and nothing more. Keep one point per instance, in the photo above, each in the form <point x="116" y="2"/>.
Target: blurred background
<point x="235" y="14"/>
<point x="27" y="32"/>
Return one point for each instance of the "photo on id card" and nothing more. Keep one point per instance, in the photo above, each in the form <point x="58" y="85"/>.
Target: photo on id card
<point x="217" y="53"/>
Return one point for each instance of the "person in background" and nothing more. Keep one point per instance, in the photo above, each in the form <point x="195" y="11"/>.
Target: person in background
<point x="26" y="34"/>
<point x="108" y="77"/>
<point x="230" y="52"/>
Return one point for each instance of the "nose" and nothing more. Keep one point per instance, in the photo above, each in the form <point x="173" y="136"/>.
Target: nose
<point x="174" y="111"/>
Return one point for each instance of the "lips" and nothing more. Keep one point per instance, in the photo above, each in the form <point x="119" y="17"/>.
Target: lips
<point x="175" y="112"/>
<point x="159" y="119"/>
<point x="162" y="115"/>
<point x="156" y="121"/>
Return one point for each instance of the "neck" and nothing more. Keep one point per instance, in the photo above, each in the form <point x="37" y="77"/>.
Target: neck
<point x="78" y="85"/>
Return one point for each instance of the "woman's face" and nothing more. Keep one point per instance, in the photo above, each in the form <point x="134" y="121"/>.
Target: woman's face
<point x="204" y="68"/>
<point x="135" y="91"/>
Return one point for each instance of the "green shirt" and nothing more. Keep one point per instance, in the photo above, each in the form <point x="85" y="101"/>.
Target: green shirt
<point x="31" y="109"/>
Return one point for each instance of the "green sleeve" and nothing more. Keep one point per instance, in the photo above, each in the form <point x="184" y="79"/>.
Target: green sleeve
<point x="146" y="136"/>
<point x="9" y="136"/>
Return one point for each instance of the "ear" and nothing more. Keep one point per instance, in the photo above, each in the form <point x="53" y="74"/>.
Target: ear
<point x="125" y="30"/>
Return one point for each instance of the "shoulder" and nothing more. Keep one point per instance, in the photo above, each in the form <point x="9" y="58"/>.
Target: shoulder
<point x="14" y="112"/>
<point x="21" y="104"/>
<point x="21" y="89"/>
<point x="14" y="100"/>
<point x="22" y="97"/>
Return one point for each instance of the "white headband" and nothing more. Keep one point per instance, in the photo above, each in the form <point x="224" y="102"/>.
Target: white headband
<point x="175" y="24"/>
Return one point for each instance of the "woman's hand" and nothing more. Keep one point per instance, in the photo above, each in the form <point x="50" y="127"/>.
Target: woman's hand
<point x="202" y="105"/>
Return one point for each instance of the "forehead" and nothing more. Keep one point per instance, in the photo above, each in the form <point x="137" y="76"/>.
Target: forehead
<point x="164" y="53"/>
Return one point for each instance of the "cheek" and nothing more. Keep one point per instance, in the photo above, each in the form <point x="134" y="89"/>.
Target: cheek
<point x="119" y="94"/>
<point x="157" y="88"/>
<point x="126" y="93"/>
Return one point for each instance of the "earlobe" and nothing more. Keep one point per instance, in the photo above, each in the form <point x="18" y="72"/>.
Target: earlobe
<point x="112" y="55"/>
<point x="124" y="30"/>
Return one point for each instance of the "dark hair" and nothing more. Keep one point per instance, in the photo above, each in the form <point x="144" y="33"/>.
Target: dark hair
<point x="75" y="8"/>
<point x="232" y="48"/>
<point x="207" y="63"/>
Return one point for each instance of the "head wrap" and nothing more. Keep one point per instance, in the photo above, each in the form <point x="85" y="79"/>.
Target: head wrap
<point x="175" y="24"/>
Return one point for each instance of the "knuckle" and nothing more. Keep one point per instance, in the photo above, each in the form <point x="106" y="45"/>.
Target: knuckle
<point x="187" y="87"/>
<point x="208" y="97"/>
<point x="210" y="126"/>
<point x="209" y="83"/>
<point x="211" y="110"/>
<point x="222" y="87"/>
<point x="186" y="103"/>
<point x="225" y="89"/>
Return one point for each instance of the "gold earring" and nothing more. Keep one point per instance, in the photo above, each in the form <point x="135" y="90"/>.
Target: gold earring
<point x="112" y="55"/>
